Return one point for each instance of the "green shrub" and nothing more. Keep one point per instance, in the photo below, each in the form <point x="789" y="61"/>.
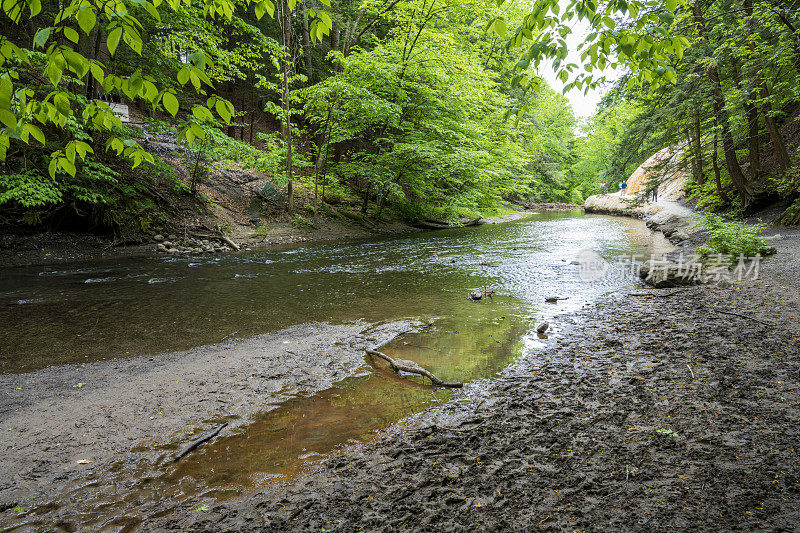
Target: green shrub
<point x="732" y="238"/>
<point x="301" y="222"/>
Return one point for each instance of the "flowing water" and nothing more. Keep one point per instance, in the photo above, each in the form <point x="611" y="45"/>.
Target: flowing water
<point x="134" y="307"/>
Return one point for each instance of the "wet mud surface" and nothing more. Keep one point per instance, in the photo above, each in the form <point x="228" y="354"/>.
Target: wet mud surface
<point x="647" y="413"/>
<point x="69" y="429"/>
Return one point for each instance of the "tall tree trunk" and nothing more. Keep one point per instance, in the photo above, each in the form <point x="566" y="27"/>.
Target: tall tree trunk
<point x="778" y="146"/>
<point x="307" y="44"/>
<point x="749" y="105"/>
<point x="697" y="148"/>
<point x="760" y="89"/>
<point x="728" y="145"/>
<point x="717" y="177"/>
<point x="335" y="33"/>
<point x="286" y="126"/>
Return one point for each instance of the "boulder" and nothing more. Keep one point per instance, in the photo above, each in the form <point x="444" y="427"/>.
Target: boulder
<point x="663" y="274"/>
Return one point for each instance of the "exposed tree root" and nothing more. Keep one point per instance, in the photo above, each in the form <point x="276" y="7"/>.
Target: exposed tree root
<point x="413" y="368"/>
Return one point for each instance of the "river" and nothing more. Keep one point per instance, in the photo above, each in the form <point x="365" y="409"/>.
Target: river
<point x="127" y="308"/>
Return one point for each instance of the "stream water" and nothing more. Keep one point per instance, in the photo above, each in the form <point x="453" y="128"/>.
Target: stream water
<point x="134" y="307"/>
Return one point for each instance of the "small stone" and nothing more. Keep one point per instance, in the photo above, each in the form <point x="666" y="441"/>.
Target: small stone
<point x="679" y="236"/>
<point x="172" y="250"/>
<point x="158" y="237"/>
<point x="541" y="328"/>
<point x="161" y="248"/>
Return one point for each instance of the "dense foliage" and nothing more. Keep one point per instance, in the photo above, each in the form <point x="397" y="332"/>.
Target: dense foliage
<point x="398" y="104"/>
<point x="427" y="108"/>
<point x="732" y="111"/>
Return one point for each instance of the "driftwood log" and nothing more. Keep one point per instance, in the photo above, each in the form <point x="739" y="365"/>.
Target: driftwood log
<point x="413" y="368"/>
<point x="230" y="242"/>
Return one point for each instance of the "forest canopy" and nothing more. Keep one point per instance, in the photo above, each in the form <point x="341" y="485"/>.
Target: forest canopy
<point x="422" y="108"/>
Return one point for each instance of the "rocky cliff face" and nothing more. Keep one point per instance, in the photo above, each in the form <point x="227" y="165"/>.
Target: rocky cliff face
<point x="666" y="168"/>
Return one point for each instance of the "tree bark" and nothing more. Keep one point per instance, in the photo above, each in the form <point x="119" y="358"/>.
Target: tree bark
<point x="717" y="177"/>
<point x="286" y="126"/>
<point x="307" y="44"/>
<point x="778" y="146"/>
<point x="749" y="105"/>
<point x="697" y="146"/>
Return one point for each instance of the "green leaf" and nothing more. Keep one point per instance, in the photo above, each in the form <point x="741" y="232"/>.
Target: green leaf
<point x="8" y="118"/>
<point x="67" y="165"/>
<point x="202" y="113"/>
<point x="170" y="103"/>
<point x="222" y="110"/>
<point x="326" y="19"/>
<point x="86" y="19"/>
<point x="40" y="39"/>
<point x="61" y="102"/>
<point x="35" y="132"/>
<point x="113" y="40"/>
<point x="97" y="72"/>
<point x="71" y="34"/>
<point x="500" y="27"/>
<point x="183" y="75"/>
<point x="671" y="5"/>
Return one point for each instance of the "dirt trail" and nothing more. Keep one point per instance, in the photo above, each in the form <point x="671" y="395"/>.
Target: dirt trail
<point x="647" y="414"/>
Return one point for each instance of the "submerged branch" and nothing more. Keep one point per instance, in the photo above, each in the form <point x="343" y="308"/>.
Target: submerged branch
<point x="413" y="368"/>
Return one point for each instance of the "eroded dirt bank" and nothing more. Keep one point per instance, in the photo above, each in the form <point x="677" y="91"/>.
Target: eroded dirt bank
<point x="129" y="414"/>
<point x="648" y="414"/>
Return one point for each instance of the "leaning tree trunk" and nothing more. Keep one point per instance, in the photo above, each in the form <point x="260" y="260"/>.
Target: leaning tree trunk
<point x="728" y="145"/>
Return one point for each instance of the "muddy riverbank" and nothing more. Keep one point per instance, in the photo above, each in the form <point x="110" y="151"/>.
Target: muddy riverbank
<point x="649" y="413"/>
<point x="65" y="426"/>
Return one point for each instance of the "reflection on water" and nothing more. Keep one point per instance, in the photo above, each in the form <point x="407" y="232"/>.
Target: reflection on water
<point x="280" y="441"/>
<point x="131" y="307"/>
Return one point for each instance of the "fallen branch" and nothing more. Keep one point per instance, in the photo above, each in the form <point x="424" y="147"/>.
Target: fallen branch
<point x="742" y="316"/>
<point x="413" y="368"/>
<point x="194" y="444"/>
<point x="655" y="294"/>
<point x="690" y="370"/>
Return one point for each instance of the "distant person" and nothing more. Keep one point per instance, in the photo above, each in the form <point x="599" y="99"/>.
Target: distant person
<point x="622" y="187"/>
<point x="655" y="193"/>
